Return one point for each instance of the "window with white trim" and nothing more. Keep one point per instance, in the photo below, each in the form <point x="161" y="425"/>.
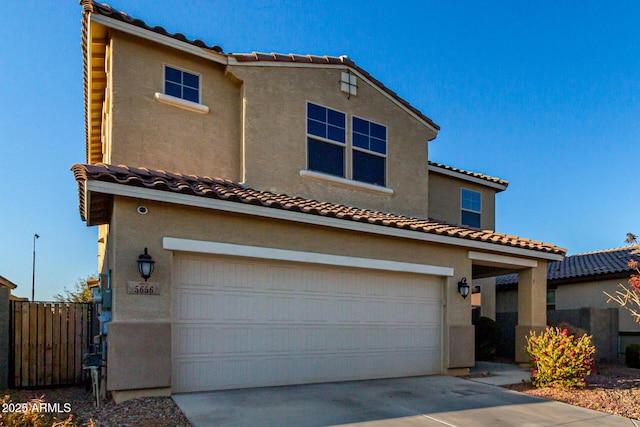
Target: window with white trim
<point x="369" y="142"/>
<point x="181" y="84"/>
<point x="330" y="152"/>
<point x="326" y="140"/>
<point x="471" y="208"/>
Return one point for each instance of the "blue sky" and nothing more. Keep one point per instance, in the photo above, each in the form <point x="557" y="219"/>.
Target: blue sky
<point x="543" y="94"/>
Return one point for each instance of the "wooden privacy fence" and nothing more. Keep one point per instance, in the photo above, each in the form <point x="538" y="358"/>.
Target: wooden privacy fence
<point x="48" y="340"/>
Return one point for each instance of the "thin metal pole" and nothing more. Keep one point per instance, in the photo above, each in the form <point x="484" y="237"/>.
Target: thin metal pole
<point x="33" y="269"/>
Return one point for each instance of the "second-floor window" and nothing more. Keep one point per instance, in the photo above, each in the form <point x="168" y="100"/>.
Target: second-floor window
<point x="471" y="204"/>
<point x="330" y="151"/>
<point x="326" y="140"/>
<point x="181" y="84"/>
<point x="369" y="151"/>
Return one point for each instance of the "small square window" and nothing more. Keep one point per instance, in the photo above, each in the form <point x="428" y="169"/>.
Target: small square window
<point x="181" y="84"/>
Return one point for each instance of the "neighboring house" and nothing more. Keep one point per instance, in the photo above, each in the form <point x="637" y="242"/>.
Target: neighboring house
<point x="285" y="201"/>
<point x="575" y="294"/>
<point x="6" y="286"/>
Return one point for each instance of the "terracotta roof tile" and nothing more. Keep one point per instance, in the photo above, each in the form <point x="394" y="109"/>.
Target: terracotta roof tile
<point x="473" y="174"/>
<point x="90" y="6"/>
<point x="589" y="265"/>
<point x="222" y="189"/>
<point x="108" y="11"/>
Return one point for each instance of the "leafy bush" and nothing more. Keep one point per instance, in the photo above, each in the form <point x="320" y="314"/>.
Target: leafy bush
<point x="30" y="416"/>
<point x="488" y="335"/>
<point x="632" y="355"/>
<point x="571" y="330"/>
<point x="560" y="359"/>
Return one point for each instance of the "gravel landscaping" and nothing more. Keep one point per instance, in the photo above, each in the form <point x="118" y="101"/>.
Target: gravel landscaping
<point x="144" y="412"/>
<point x="613" y="389"/>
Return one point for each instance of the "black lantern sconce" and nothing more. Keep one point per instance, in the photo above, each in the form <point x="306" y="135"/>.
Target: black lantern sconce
<point x="145" y="265"/>
<point x="463" y="287"/>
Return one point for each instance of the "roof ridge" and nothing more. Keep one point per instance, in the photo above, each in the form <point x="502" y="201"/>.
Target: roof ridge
<point x="90" y="6"/>
<point x="618" y="249"/>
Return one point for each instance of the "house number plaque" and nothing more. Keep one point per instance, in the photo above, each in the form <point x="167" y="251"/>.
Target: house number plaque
<point x="144" y="288"/>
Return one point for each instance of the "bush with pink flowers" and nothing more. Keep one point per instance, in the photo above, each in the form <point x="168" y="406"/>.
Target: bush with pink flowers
<point x="560" y="359"/>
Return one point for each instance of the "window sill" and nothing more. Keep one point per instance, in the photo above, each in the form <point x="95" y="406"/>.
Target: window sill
<point x="346" y="182"/>
<point x="181" y="103"/>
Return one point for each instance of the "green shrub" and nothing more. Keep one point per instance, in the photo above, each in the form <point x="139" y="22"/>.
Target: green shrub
<point x="560" y="359"/>
<point x="632" y="355"/>
<point x="488" y="335"/>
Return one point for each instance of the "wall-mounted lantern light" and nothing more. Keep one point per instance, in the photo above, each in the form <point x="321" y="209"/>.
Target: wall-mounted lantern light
<point x="463" y="287"/>
<point x="145" y="265"/>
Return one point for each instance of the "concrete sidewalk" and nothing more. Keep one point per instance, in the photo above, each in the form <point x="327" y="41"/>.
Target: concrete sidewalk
<point x="431" y="401"/>
<point x="499" y="373"/>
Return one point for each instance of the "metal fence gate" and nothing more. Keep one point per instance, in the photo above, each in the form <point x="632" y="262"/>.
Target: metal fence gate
<point x="48" y="340"/>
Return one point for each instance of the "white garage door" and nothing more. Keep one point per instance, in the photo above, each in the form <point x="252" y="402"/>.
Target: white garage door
<point x="241" y="322"/>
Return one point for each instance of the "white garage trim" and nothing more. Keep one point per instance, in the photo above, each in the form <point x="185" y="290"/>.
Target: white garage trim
<point x="216" y="248"/>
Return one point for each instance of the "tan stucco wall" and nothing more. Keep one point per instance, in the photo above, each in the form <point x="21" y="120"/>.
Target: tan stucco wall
<point x="275" y="137"/>
<point x="445" y="203"/>
<point x="148" y="133"/>
<point x="132" y="232"/>
<point x="258" y="113"/>
<point x="575" y="296"/>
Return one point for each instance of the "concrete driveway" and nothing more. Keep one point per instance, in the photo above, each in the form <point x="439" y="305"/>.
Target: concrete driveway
<point x="418" y="401"/>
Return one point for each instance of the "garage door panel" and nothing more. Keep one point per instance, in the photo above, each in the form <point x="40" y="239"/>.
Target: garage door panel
<point x="240" y="323"/>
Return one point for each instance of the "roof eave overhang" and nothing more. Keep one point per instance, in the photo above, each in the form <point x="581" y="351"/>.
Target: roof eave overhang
<point x="459" y="175"/>
<point x="108" y="188"/>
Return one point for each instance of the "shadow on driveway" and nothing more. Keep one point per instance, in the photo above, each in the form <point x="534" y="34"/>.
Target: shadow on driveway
<point x="416" y="401"/>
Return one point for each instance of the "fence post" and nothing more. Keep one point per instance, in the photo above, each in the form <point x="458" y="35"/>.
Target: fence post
<point x="5" y="336"/>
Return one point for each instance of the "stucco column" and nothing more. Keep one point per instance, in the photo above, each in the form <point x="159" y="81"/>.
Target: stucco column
<point x="532" y="306"/>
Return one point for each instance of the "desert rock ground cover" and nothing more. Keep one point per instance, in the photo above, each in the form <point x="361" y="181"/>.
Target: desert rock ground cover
<point x="612" y="388"/>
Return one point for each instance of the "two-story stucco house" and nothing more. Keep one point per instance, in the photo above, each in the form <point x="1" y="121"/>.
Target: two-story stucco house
<point x="285" y="201"/>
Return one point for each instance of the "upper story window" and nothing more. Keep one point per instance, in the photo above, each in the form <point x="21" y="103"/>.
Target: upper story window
<point x="369" y="151"/>
<point x="181" y="84"/>
<point x="326" y="140"/>
<point x="471" y="204"/>
<point x="360" y="160"/>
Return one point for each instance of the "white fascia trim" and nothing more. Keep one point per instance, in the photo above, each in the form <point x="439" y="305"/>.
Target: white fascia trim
<point x="158" y="38"/>
<point x="217" y="248"/>
<point x="465" y="177"/>
<point x="182" y="103"/>
<point x="502" y="259"/>
<point x="318" y="176"/>
<point x="233" y="61"/>
<point x="260" y="211"/>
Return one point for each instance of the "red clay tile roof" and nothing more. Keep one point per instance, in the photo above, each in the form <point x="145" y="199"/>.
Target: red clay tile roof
<point x="473" y="174"/>
<point x="221" y="189"/>
<point x="331" y="60"/>
<point x="590" y="265"/>
<point x="108" y="11"/>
